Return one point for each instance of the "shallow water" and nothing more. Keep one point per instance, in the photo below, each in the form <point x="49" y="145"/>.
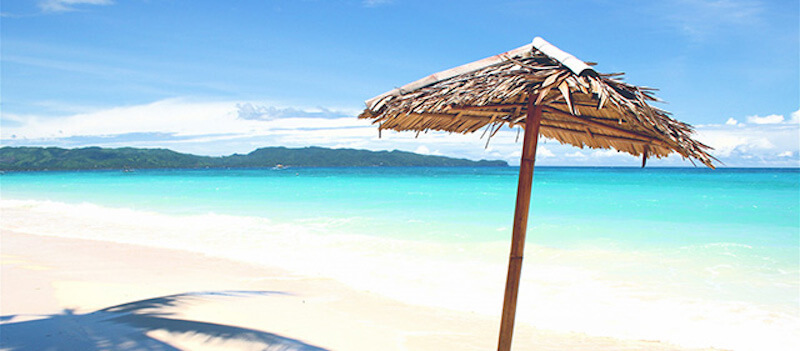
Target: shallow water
<point x="694" y="256"/>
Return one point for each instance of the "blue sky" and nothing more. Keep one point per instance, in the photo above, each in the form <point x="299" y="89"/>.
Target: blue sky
<point x="218" y="77"/>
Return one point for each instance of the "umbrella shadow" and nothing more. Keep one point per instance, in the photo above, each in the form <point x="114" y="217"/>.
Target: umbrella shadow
<point x="125" y="327"/>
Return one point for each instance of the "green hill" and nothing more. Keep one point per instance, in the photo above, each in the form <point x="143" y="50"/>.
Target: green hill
<point x="53" y="158"/>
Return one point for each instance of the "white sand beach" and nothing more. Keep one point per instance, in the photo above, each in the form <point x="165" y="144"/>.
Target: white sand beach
<point x="60" y="293"/>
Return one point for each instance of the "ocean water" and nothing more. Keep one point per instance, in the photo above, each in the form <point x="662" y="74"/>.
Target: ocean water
<point x="696" y="257"/>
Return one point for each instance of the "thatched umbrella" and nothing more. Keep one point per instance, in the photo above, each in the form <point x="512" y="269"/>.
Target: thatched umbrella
<point x="545" y="91"/>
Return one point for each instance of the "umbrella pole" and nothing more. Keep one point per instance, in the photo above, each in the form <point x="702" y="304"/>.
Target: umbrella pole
<point x="532" y="123"/>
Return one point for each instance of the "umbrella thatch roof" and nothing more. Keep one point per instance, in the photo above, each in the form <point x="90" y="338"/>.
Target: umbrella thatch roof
<point x="581" y="107"/>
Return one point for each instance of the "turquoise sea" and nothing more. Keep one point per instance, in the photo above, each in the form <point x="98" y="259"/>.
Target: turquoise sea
<point x="695" y="256"/>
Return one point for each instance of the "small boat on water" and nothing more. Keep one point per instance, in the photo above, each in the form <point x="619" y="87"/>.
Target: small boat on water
<point x="279" y="167"/>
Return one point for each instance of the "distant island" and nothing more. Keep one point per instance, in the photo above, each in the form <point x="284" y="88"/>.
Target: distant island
<point x="53" y="158"/>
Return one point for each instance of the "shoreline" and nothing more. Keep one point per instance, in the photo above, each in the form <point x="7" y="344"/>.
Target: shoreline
<point x="42" y="276"/>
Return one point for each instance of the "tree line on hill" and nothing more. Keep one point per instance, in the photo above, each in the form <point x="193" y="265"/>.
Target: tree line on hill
<point x="53" y="158"/>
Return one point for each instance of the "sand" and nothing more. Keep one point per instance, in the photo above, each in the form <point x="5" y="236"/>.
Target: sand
<point x="66" y="294"/>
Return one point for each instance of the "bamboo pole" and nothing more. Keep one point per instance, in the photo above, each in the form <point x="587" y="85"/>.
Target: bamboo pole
<point x="532" y="123"/>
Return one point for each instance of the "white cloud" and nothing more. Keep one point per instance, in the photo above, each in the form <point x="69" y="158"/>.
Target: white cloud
<point x="423" y="150"/>
<point x="732" y="122"/>
<point x="252" y="111"/>
<point x="771" y="119"/>
<point x="725" y="142"/>
<point x="541" y="151"/>
<point x="795" y="117"/>
<point x="165" y="116"/>
<point x="178" y="121"/>
<point x="576" y="154"/>
<point x="765" y="144"/>
<point x="608" y="153"/>
<point x="68" y="5"/>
